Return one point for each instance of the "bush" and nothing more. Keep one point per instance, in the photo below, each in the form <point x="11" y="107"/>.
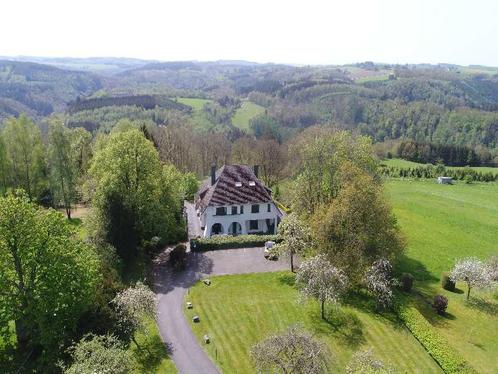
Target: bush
<point x="447" y="283"/>
<point x="438" y="347"/>
<point x="226" y="242"/>
<point x="407" y="282"/>
<point x="440" y="304"/>
<point x="178" y="257"/>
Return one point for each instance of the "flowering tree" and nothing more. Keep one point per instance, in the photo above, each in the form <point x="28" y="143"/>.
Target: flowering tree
<point x="473" y="272"/>
<point x="379" y="281"/>
<point x="295" y="237"/>
<point x="365" y="362"/>
<point x="132" y="306"/>
<point x="318" y="278"/>
<point x="492" y="266"/>
<point x="99" y="354"/>
<point x="294" y="351"/>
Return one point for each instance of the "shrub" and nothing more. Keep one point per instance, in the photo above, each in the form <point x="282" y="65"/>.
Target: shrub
<point x="178" y="257"/>
<point x="407" y="282"/>
<point x="440" y="304"/>
<point x="447" y="283"/>
<point x="226" y="242"/>
<point x="438" y="347"/>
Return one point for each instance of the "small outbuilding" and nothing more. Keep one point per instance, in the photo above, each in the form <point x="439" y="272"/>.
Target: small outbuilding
<point x="445" y="180"/>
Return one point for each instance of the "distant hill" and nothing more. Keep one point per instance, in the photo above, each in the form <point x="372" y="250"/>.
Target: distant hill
<point x="40" y="89"/>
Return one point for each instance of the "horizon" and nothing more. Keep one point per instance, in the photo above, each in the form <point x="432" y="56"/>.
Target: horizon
<point x="28" y="58"/>
<point x="316" y="33"/>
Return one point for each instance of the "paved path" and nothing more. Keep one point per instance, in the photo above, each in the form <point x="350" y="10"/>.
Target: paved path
<point x="193" y="222"/>
<point x="170" y="287"/>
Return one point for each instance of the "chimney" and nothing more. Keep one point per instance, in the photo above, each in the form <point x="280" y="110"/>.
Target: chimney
<point x="213" y="174"/>
<point x="256" y="171"/>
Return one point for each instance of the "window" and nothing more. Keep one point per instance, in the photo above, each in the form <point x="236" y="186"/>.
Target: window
<point x="269" y="208"/>
<point x="238" y="184"/>
<point x="242" y="209"/>
<point x="234" y="210"/>
<point x="252" y="183"/>
<point x="253" y="224"/>
<point x="221" y="211"/>
<point x="255" y="208"/>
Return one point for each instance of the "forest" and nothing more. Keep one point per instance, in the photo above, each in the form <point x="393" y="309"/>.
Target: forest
<point x="438" y="105"/>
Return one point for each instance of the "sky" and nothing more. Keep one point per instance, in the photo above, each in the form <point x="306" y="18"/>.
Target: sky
<point x="298" y="32"/>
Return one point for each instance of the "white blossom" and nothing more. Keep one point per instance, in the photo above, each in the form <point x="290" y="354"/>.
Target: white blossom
<point x="472" y="271"/>
<point x="380" y="282"/>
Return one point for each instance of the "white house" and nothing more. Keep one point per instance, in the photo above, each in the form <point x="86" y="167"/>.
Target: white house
<point x="234" y="202"/>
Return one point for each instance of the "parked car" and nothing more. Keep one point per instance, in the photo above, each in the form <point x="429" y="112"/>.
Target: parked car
<point x="268" y="252"/>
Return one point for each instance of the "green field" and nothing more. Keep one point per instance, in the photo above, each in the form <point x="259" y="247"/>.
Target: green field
<point x="245" y="113"/>
<point x="443" y="223"/>
<point x="397" y="162"/>
<point x="237" y="311"/>
<point x="195" y="103"/>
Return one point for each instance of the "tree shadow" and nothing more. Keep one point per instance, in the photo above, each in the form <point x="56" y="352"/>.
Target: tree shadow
<point x="483" y="305"/>
<point x="151" y="353"/>
<point x="416" y="268"/>
<point x="344" y="325"/>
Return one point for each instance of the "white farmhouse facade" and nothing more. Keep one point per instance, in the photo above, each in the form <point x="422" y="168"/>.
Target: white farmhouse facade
<point x="235" y="202"/>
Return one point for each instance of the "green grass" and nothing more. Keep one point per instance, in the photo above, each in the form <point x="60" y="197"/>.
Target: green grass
<point x="245" y="113"/>
<point x="152" y="357"/>
<point x="397" y="162"/>
<point x="195" y="103"/>
<point x="237" y="311"/>
<point x="443" y="223"/>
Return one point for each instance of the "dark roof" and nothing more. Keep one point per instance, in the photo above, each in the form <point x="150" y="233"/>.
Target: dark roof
<point x="225" y="192"/>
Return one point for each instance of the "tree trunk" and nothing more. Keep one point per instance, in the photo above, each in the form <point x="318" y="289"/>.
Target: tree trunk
<point x="22" y="335"/>
<point x="292" y="262"/>
<point x="468" y="292"/>
<point x="323" y="309"/>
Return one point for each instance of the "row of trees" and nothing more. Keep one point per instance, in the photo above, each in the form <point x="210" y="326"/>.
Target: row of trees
<point x="430" y="172"/>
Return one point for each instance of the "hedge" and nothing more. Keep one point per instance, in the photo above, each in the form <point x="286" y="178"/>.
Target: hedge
<point x="226" y="242"/>
<point x="437" y="346"/>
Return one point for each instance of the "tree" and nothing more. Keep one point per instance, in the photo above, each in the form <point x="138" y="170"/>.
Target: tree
<point x="318" y="155"/>
<point x="364" y="362"/>
<point x="25" y="152"/>
<point x="295" y="237"/>
<point x="380" y="282"/>
<point x="293" y="351"/>
<point x="473" y="272"/>
<point x="319" y="279"/>
<point x="133" y="306"/>
<point x="62" y="165"/>
<point x="358" y="226"/>
<point x="492" y="266"/>
<point x="135" y="198"/>
<point x="47" y="275"/>
<point x="99" y="354"/>
<point x="4" y="167"/>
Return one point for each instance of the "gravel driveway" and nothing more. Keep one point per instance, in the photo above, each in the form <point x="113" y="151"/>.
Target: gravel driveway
<point x="170" y="287"/>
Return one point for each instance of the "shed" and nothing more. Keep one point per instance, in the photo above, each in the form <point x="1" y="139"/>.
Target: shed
<point x="445" y="180"/>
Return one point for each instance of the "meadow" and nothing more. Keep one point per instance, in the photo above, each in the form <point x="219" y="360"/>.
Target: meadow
<point x="245" y="113"/>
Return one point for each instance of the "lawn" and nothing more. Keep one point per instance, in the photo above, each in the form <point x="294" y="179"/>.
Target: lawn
<point x="400" y="163"/>
<point x="237" y="311"/>
<point x="443" y="223"/>
<point x="245" y="113"/>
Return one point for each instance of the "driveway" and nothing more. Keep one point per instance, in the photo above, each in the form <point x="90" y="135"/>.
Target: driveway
<point x="171" y="287"/>
<point x="193" y="222"/>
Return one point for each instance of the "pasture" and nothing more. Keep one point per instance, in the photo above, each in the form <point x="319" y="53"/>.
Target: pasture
<point x="245" y="113"/>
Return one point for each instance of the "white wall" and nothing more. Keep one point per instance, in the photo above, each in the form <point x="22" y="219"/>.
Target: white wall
<point x="209" y="217"/>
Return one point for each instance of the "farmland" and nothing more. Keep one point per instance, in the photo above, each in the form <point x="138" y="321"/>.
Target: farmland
<point x="396" y="162"/>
